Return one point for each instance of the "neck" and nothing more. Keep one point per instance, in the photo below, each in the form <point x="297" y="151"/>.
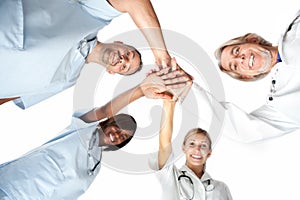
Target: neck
<point x="274" y="52"/>
<point x="198" y="170"/>
<point x="94" y="56"/>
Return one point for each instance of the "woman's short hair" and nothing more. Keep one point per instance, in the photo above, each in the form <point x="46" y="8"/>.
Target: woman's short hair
<point x="197" y="131"/>
<point x="236" y="41"/>
<point x="122" y="121"/>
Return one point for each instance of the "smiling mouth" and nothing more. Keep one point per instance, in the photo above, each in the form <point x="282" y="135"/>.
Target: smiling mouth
<point x="251" y="61"/>
<point x="196" y="157"/>
<point x="112" y="139"/>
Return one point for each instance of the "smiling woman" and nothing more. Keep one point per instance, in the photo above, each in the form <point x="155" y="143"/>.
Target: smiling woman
<point x="191" y="181"/>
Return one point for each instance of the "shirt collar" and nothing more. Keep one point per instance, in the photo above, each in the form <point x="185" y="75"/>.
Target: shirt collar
<point x="205" y="176"/>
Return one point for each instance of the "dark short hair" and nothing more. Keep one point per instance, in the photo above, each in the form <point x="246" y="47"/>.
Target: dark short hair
<point x="122" y="121"/>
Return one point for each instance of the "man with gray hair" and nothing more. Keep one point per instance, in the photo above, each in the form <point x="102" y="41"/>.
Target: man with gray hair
<point x="249" y="58"/>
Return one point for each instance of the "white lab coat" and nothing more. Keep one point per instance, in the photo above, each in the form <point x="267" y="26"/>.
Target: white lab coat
<point x="168" y="177"/>
<point x="55" y="171"/>
<point x="278" y="116"/>
<point x="36" y="39"/>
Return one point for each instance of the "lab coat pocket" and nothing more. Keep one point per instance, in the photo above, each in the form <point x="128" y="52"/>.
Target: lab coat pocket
<point x="11" y="24"/>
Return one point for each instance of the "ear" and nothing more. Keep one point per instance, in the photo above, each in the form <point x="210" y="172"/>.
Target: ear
<point x="110" y="72"/>
<point x="118" y="42"/>
<point x="183" y="149"/>
<point x="209" y="154"/>
<point x="253" y="38"/>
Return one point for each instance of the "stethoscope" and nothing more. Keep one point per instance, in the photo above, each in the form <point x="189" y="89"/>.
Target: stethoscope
<point x="91" y="165"/>
<point x="84" y="46"/>
<point x="187" y="192"/>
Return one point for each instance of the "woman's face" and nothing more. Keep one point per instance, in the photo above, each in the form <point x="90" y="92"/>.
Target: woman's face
<point x="112" y="135"/>
<point x="197" y="150"/>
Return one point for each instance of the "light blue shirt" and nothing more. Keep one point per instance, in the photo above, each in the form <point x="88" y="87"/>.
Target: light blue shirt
<point x="57" y="169"/>
<point x="39" y="39"/>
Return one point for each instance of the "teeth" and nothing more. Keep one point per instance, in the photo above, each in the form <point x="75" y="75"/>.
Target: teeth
<point x="197" y="157"/>
<point x="251" y="61"/>
<point x="111" y="137"/>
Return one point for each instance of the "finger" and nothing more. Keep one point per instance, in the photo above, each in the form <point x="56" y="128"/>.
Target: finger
<point x="164" y="96"/>
<point x="163" y="71"/>
<point x="176" y="80"/>
<point x="173" y="74"/>
<point x="164" y="63"/>
<point x="176" y="85"/>
<point x="174" y="64"/>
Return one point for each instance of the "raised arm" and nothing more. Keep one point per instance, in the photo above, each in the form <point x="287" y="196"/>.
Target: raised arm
<point x="165" y="133"/>
<point x="153" y="86"/>
<point x="144" y="16"/>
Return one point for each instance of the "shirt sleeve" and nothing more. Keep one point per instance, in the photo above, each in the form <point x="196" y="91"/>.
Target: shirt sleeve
<point x="12" y="20"/>
<point x="228" y="194"/>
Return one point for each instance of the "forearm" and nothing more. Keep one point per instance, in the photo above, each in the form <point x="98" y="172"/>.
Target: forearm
<point x="165" y="133"/>
<point x="146" y="20"/>
<point x="114" y="106"/>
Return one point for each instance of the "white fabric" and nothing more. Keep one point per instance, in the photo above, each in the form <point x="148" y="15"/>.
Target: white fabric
<point x="36" y="41"/>
<point x="57" y="170"/>
<point x="168" y="177"/>
<point x="278" y="116"/>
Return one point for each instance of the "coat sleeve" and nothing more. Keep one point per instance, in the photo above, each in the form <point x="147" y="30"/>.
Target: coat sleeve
<point x="263" y="123"/>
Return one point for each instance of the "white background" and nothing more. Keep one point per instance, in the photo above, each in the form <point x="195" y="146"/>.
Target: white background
<point x="268" y="170"/>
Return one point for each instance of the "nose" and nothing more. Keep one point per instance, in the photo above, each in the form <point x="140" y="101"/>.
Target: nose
<point x="240" y="58"/>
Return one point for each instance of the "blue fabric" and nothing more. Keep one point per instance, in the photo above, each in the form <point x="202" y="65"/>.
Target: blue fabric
<point x="56" y="170"/>
<point x="278" y="58"/>
<point x="39" y="39"/>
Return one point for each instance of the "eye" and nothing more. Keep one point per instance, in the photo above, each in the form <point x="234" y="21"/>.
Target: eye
<point x="233" y="67"/>
<point x="237" y="51"/>
<point x="123" y="67"/>
<point x="204" y="146"/>
<point x="191" y="144"/>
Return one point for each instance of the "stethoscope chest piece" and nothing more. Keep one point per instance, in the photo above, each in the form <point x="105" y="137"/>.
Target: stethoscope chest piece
<point x="210" y="187"/>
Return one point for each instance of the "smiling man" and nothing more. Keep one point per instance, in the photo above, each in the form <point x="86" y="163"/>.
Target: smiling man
<point x="248" y="57"/>
<point x="43" y="49"/>
<point x="251" y="57"/>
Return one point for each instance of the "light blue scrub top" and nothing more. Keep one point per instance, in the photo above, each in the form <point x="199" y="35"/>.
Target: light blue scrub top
<point x="36" y="41"/>
<point x="57" y="169"/>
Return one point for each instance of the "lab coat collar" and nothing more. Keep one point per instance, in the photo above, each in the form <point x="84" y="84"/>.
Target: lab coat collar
<point x="205" y="176"/>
